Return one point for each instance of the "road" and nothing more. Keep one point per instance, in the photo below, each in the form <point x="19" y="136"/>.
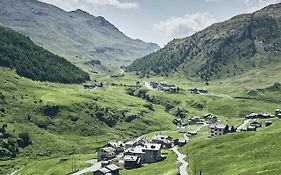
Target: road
<point x="243" y="125"/>
<point x="183" y="163"/>
<point x="90" y="169"/>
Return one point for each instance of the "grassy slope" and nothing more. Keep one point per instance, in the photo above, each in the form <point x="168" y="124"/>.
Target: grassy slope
<point x="64" y="137"/>
<point x="239" y="153"/>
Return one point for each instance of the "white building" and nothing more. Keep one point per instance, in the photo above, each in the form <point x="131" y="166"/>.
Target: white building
<point x="216" y="130"/>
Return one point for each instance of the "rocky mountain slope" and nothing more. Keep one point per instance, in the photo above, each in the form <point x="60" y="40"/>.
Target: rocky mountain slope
<point x="76" y="35"/>
<point x="225" y="49"/>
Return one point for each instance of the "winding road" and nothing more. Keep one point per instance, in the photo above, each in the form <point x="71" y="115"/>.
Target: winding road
<point x="183" y="163"/>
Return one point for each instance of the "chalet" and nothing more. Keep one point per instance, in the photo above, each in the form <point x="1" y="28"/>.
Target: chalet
<point x="180" y="141"/>
<point x="117" y="145"/>
<point x="165" y="141"/>
<point x="258" y="115"/>
<point x="149" y="153"/>
<point x="131" y="144"/>
<point x="152" y="153"/>
<point x="177" y="121"/>
<point x="278" y="113"/>
<point x="192" y="133"/>
<point x="255" y="124"/>
<point x="209" y="118"/>
<point x="198" y="91"/>
<point x="135" y="151"/>
<point x="268" y="123"/>
<point x="195" y="120"/>
<point x="251" y="128"/>
<point x="216" y="130"/>
<point x="108" y="170"/>
<point x="106" y="153"/>
<point x="132" y="162"/>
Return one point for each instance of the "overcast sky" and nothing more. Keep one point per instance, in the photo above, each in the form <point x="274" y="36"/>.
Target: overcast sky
<point x="160" y="21"/>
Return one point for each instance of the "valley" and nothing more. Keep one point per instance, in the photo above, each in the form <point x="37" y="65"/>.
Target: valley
<point x="77" y="96"/>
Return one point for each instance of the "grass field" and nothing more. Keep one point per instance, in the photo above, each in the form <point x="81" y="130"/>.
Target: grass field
<point x="66" y="137"/>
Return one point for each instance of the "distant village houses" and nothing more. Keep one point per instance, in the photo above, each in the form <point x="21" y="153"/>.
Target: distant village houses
<point x="216" y="130"/>
<point x="163" y="86"/>
<point x="198" y="91"/>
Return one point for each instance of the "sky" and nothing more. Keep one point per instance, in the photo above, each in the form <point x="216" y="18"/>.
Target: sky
<point x="160" y="21"/>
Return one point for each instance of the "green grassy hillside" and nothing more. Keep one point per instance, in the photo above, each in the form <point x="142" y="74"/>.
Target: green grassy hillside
<point x="64" y="120"/>
<point x="32" y="61"/>
<point x="240" y="153"/>
<point x="225" y="49"/>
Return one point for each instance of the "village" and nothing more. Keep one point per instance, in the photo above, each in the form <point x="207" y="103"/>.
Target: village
<point x="117" y="155"/>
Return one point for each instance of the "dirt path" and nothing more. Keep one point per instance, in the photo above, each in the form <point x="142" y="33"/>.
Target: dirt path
<point x="183" y="163"/>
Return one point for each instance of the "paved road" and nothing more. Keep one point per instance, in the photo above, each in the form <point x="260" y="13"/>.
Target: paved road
<point x="183" y="163"/>
<point x="243" y="125"/>
<point x="90" y="169"/>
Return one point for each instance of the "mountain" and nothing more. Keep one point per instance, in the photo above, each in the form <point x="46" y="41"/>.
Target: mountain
<point x="76" y="35"/>
<point x="34" y="62"/>
<point x="222" y="50"/>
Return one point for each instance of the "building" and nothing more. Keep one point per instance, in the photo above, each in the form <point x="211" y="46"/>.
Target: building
<point x="209" y="118"/>
<point x="255" y="124"/>
<point x="192" y="133"/>
<point x="165" y="141"/>
<point x="195" y="120"/>
<point x="152" y="153"/>
<point x="108" y="170"/>
<point x="106" y="153"/>
<point x="216" y="129"/>
<point x="278" y="113"/>
<point x="180" y="141"/>
<point x="258" y="115"/>
<point x="117" y="145"/>
<point x="132" y="162"/>
<point x="135" y="151"/>
<point x="177" y="121"/>
<point x="148" y="152"/>
<point x="268" y="123"/>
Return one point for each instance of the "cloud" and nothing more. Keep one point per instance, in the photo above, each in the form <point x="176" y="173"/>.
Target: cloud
<point x="178" y="27"/>
<point x="253" y="5"/>
<point x="114" y="3"/>
<point x="85" y="4"/>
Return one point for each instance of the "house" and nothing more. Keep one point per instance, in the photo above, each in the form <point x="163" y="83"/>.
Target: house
<point x="209" y="118"/>
<point x="165" y="141"/>
<point x="251" y="128"/>
<point x="192" y="133"/>
<point x="134" y="143"/>
<point x="132" y="162"/>
<point x="255" y="124"/>
<point x="117" y="145"/>
<point x="216" y="129"/>
<point x="194" y="120"/>
<point x="177" y="121"/>
<point x="180" y="141"/>
<point x="198" y="91"/>
<point x="152" y="153"/>
<point x="258" y="115"/>
<point x="268" y="123"/>
<point x="135" y="151"/>
<point x="108" y="170"/>
<point x="278" y="113"/>
<point x="194" y="91"/>
<point x="106" y="153"/>
<point x="148" y="152"/>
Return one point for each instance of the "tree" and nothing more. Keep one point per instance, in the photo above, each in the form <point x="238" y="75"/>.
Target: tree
<point x="24" y="140"/>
